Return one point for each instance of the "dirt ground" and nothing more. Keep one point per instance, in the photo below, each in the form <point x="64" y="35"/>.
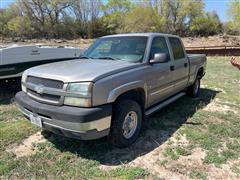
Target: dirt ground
<point x="224" y="40"/>
<point x="80" y="43"/>
<point x="26" y="148"/>
<point x="220" y="40"/>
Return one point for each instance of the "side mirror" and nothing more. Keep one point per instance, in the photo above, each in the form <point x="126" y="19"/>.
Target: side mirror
<point x="159" y="58"/>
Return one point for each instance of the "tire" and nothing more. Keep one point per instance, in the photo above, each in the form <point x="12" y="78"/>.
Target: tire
<point x="193" y="90"/>
<point x="127" y="115"/>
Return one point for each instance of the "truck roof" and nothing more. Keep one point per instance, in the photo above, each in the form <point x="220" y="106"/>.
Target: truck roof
<point x="141" y="34"/>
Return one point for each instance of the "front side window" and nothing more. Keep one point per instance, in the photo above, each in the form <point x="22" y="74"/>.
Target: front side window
<point x="177" y="49"/>
<point x="159" y="45"/>
<point x="131" y="49"/>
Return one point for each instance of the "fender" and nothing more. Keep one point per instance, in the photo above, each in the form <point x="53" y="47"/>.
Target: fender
<point x="193" y="76"/>
<point x="115" y="93"/>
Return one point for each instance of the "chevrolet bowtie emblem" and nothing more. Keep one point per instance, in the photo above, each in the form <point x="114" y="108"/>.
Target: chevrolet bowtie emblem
<point x="39" y="89"/>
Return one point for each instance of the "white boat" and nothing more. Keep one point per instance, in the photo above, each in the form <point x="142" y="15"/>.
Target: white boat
<point x="15" y="59"/>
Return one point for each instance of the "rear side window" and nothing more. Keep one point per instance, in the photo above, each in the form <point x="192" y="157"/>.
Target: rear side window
<point x="159" y="45"/>
<point x="178" y="52"/>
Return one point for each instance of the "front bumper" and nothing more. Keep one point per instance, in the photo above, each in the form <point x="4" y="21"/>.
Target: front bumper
<point x="74" y="122"/>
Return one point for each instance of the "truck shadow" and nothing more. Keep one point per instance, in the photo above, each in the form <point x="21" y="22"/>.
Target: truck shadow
<point x="157" y="130"/>
<point x="7" y="95"/>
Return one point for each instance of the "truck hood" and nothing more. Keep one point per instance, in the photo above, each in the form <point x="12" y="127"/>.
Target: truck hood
<point x="80" y="69"/>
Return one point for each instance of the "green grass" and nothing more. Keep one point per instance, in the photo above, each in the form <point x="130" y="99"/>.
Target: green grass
<point x="163" y="162"/>
<point x="15" y="132"/>
<point x="216" y="132"/>
<point x="215" y="158"/>
<point x="170" y="152"/>
<point x="219" y="128"/>
<point x="198" y="175"/>
<point x="183" y="151"/>
<point x="64" y="157"/>
<point x="52" y="163"/>
<point x="175" y="153"/>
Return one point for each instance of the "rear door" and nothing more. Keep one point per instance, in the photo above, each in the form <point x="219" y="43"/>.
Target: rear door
<point x="180" y="66"/>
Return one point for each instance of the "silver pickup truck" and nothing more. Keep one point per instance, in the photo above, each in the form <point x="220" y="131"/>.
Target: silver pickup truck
<point x="112" y="88"/>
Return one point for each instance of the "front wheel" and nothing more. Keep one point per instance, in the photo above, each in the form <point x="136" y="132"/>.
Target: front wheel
<point x="193" y="90"/>
<point x="126" y="123"/>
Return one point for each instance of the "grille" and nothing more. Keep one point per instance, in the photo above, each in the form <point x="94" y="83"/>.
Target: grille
<point x="45" y="82"/>
<point x="45" y="96"/>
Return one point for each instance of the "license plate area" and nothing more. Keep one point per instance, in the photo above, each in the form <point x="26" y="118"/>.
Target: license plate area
<point x="35" y="119"/>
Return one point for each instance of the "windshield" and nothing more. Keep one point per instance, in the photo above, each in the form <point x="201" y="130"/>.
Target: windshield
<point x="131" y="49"/>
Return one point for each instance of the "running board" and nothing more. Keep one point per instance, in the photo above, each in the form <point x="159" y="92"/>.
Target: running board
<point x="164" y="103"/>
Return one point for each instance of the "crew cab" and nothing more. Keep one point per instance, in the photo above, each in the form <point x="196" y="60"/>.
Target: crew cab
<point x="112" y="88"/>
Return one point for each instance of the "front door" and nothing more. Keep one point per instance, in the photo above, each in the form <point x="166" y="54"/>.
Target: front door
<point x="160" y="76"/>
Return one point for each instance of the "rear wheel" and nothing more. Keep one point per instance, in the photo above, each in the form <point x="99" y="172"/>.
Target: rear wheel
<point x="193" y="90"/>
<point x="126" y="123"/>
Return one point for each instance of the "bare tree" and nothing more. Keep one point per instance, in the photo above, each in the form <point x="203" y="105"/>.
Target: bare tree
<point x="86" y="13"/>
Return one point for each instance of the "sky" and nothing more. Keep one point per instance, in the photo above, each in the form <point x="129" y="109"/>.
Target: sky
<point x="5" y="3"/>
<point x="219" y="6"/>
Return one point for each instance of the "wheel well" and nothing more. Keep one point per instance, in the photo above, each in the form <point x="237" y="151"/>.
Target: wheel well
<point x="137" y="95"/>
<point x="200" y="72"/>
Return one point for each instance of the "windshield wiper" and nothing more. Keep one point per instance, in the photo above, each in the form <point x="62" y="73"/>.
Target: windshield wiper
<point x="108" y="58"/>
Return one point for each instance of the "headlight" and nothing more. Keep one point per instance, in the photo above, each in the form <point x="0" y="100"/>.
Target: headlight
<point x="79" y="94"/>
<point x="83" y="89"/>
<point x="24" y="79"/>
<point x="73" y="101"/>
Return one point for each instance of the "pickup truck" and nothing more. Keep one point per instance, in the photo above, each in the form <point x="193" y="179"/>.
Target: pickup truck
<point x="112" y="88"/>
